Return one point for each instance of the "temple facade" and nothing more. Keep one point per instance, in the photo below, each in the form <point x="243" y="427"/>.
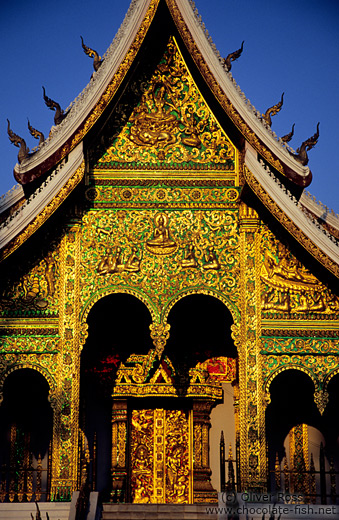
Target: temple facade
<point x="166" y="282"/>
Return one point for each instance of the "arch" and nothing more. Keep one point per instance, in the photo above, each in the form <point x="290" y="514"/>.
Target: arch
<point x="116" y="290"/>
<point x="118" y="326"/>
<point x="329" y="377"/>
<point x="201" y="290"/>
<point x="26" y="433"/>
<point x="234" y="311"/>
<point x="292" y="404"/>
<point x="279" y="370"/>
<point x="47" y="376"/>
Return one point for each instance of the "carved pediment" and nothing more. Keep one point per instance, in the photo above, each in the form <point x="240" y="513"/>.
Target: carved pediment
<point x="171" y="127"/>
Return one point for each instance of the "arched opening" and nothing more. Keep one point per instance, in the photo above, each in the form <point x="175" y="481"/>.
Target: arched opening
<point x="118" y="325"/>
<point x="26" y="422"/>
<point x="200" y="330"/>
<point x="331" y="420"/>
<point x="331" y="433"/>
<point x="291" y="411"/>
<point x="201" y="334"/>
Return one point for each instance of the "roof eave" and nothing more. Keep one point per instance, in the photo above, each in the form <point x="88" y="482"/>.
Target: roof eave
<point x="239" y="108"/>
<point x="89" y="105"/>
<point x="287" y="210"/>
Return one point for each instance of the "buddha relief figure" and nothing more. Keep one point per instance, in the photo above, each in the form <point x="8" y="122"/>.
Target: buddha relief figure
<point x="161" y="243"/>
<point x="211" y="260"/>
<point x="309" y="301"/>
<point x="133" y="261"/>
<point x="189" y="260"/>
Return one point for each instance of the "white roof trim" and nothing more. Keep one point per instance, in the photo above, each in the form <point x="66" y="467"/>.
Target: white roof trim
<point x="289" y="206"/>
<point x="114" y="56"/>
<point x="11" y="197"/>
<point x="92" y="93"/>
<point x="230" y="90"/>
<point x="40" y="198"/>
<point x="319" y="209"/>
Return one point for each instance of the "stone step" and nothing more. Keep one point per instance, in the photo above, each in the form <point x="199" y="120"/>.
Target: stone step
<point x="22" y="511"/>
<point x="156" y="512"/>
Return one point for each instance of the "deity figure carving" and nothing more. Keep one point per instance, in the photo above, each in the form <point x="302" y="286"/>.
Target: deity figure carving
<point x="133" y="261"/>
<point x="141" y="460"/>
<point x="311" y="302"/>
<point x="111" y="263"/>
<point x="49" y="275"/>
<point x="32" y="294"/>
<point x="180" y="490"/>
<point x="211" y="259"/>
<point x="279" y="301"/>
<point x="189" y="259"/>
<point x="287" y="271"/>
<point x="174" y="462"/>
<point x="161" y="243"/>
<point x="140" y="493"/>
<point x="141" y="470"/>
<point x="191" y="128"/>
<point x="157" y="125"/>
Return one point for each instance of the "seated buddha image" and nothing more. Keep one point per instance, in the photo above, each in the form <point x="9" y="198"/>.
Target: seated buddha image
<point x="156" y="126"/>
<point x="161" y="242"/>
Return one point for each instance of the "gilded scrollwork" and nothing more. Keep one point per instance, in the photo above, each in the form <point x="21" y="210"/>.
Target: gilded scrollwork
<point x="159" y="268"/>
<point x="297" y="345"/>
<point x="105" y="195"/>
<point x="318" y="367"/>
<point x="171" y="125"/>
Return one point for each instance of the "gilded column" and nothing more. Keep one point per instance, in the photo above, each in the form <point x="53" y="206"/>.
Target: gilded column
<point x="202" y="487"/>
<point x="66" y="405"/>
<point x="119" y="462"/>
<point x="253" y="464"/>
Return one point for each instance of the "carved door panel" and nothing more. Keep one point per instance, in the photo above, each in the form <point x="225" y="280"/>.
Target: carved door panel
<point x="161" y="457"/>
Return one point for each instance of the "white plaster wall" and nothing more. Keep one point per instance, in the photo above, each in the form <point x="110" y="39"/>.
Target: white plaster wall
<point x="222" y="418"/>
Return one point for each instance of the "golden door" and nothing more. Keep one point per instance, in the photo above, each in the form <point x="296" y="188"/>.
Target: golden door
<point x="161" y="456"/>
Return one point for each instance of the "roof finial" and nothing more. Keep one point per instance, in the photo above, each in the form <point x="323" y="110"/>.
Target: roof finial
<point x="286" y="138"/>
<point x="272" y="111"/>
<point x="36" y="133"/>
<point x="232" y="57"/>
<point x="19" y="142"/>
<point x="97" y="61"/>
<point x="53" y="105"/>
<point x="301" y="155"/>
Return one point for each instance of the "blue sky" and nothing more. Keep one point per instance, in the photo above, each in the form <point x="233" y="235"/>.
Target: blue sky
<point x="291" y="46"/>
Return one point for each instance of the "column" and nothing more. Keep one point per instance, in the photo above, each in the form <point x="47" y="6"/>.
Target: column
<point x="202" y="487"/>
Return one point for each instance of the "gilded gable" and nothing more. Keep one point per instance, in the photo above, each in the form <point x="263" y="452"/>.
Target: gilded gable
<point x="171" y="128"/>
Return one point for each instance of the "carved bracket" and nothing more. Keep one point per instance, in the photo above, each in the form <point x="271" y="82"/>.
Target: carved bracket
<point x="159" y="335"/>
<point x="321" y="398"/>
